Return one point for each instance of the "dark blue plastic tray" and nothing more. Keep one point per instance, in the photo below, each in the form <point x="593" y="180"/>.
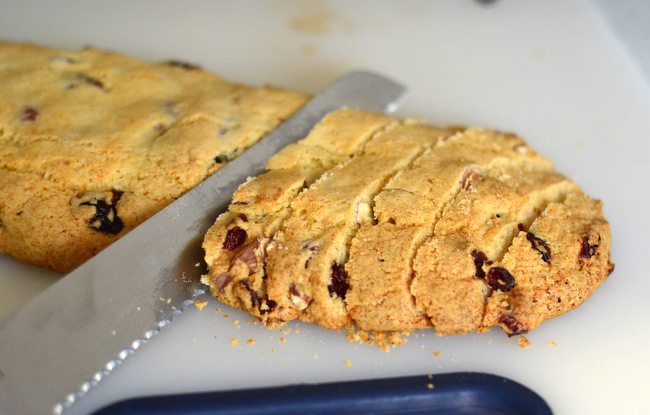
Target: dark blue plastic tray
<point x="449" y="394"/>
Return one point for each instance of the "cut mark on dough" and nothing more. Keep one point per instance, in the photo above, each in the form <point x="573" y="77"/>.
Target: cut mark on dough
<point x="269" y="230"/>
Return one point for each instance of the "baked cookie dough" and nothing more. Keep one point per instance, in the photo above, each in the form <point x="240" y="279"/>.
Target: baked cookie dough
<point x="94" y="143"/>
<point x="393" y="226"/>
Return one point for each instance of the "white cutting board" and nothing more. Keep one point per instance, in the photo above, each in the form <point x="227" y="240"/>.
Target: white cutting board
<point x="551" y="71"/>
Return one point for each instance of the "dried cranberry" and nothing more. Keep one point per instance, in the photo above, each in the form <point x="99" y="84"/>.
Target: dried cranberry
<point x="91" y="81"/>
<point x="29" y="115"/>
<point x="540" y="246"/>
<point x="339" y="276"/>
<point x="184" y="65"/>
<point x="498" y="278"/>
<point x="587" y="251"/>
<point x="234" y="238"/>
<point x="479" y="259"/>
<point x="105" y="218"/>
<point x="511" y="324"/>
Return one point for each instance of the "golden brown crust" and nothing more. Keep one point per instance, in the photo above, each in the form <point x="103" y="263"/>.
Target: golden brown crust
<point x="74" y="124"/>
<point x="455" y="230"/>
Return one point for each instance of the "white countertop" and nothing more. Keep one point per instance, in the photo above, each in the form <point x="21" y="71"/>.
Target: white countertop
<point x="552" y="71"/>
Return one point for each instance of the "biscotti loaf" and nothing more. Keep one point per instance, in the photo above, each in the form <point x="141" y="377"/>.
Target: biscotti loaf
<point x="408" y="227"/>
<point x="94" y="143"/>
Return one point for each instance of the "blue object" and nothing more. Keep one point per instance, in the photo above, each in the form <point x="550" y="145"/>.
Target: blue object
<point x="448" y="394"/>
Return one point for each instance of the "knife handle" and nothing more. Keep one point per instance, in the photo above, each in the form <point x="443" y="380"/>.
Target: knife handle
<point x="448" y="394"/>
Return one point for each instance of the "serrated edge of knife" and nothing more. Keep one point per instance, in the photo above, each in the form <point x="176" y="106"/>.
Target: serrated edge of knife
<point x="70" y="399"/>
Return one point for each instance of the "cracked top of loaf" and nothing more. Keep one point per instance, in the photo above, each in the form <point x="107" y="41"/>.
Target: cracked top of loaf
<point x="408" y="226"/>
<point x="93" y="143"/>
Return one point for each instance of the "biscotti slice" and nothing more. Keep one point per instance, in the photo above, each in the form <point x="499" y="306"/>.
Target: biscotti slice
<point x="236" y="244"/>
<point x="306" y="258"/>
<point x="408" y="208"/>
<point x="555" y="267"/>
<point x="94" y="143"/>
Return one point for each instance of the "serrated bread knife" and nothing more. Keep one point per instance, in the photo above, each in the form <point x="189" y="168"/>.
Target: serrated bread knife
<point x="63" y="342"/>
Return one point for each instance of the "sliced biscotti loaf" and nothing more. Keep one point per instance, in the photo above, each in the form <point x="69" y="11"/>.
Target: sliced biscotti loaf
<point x="236" y="244"/>
<point x="93" y="143"/>
<point x="307" y="256"/>
<point x="457" y="230"/>
<point x="408" y="208"/>
<point x="557" y="262"/>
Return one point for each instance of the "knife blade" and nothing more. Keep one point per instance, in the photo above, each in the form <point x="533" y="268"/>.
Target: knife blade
<point x="63" y="342"/>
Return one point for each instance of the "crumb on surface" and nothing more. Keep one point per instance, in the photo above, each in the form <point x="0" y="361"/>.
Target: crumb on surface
<point x="436" y="353"/>
<point x="523" y="342"/>
<point x="282" y="340"/>
<point x="234" y="341"/>
<point x="430" y="386"/>
<point x="554" y="344"/>
<point x="250" y="342"/>
<point x="200" y="304"/>
<point x="348" y="363"/>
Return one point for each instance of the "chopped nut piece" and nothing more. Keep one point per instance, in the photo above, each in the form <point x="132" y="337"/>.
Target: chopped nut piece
<point x="300" y="300"/>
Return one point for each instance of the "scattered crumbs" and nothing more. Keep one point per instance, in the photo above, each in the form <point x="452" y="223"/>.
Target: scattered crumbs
<point x="226" y="316"/>
<point x="200" y="304"/>
<point x="218" y="310"/>
<point x="139" y="308"/>
<point x="169" y="300"/>
<point x="248" y="321"/>
<point x="451" y="357"/>
<point x="489" y="340"/>
<point x="315" y="355"/>
<point x="161" y="299"/>
<point x="436" y="353"/>
<point x="429" y="376"/>
<point x="287" y="331"/>
<point x="235" y="322"/>
<point x="429" y="385"/>
<point x="523" y="342"/>
<point x="507" y="342"/>
<point x="113" y="333"/>
<point x="554" y="344"/>
<point x="250" y="342"/>
<point x="234" y="341"/>
<point x="272" y="350"/>
<point x="198" y="264"/>
<point x="282" y="340"/>
<point x="297" y="330"/>
<point x="348" y="363"/>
